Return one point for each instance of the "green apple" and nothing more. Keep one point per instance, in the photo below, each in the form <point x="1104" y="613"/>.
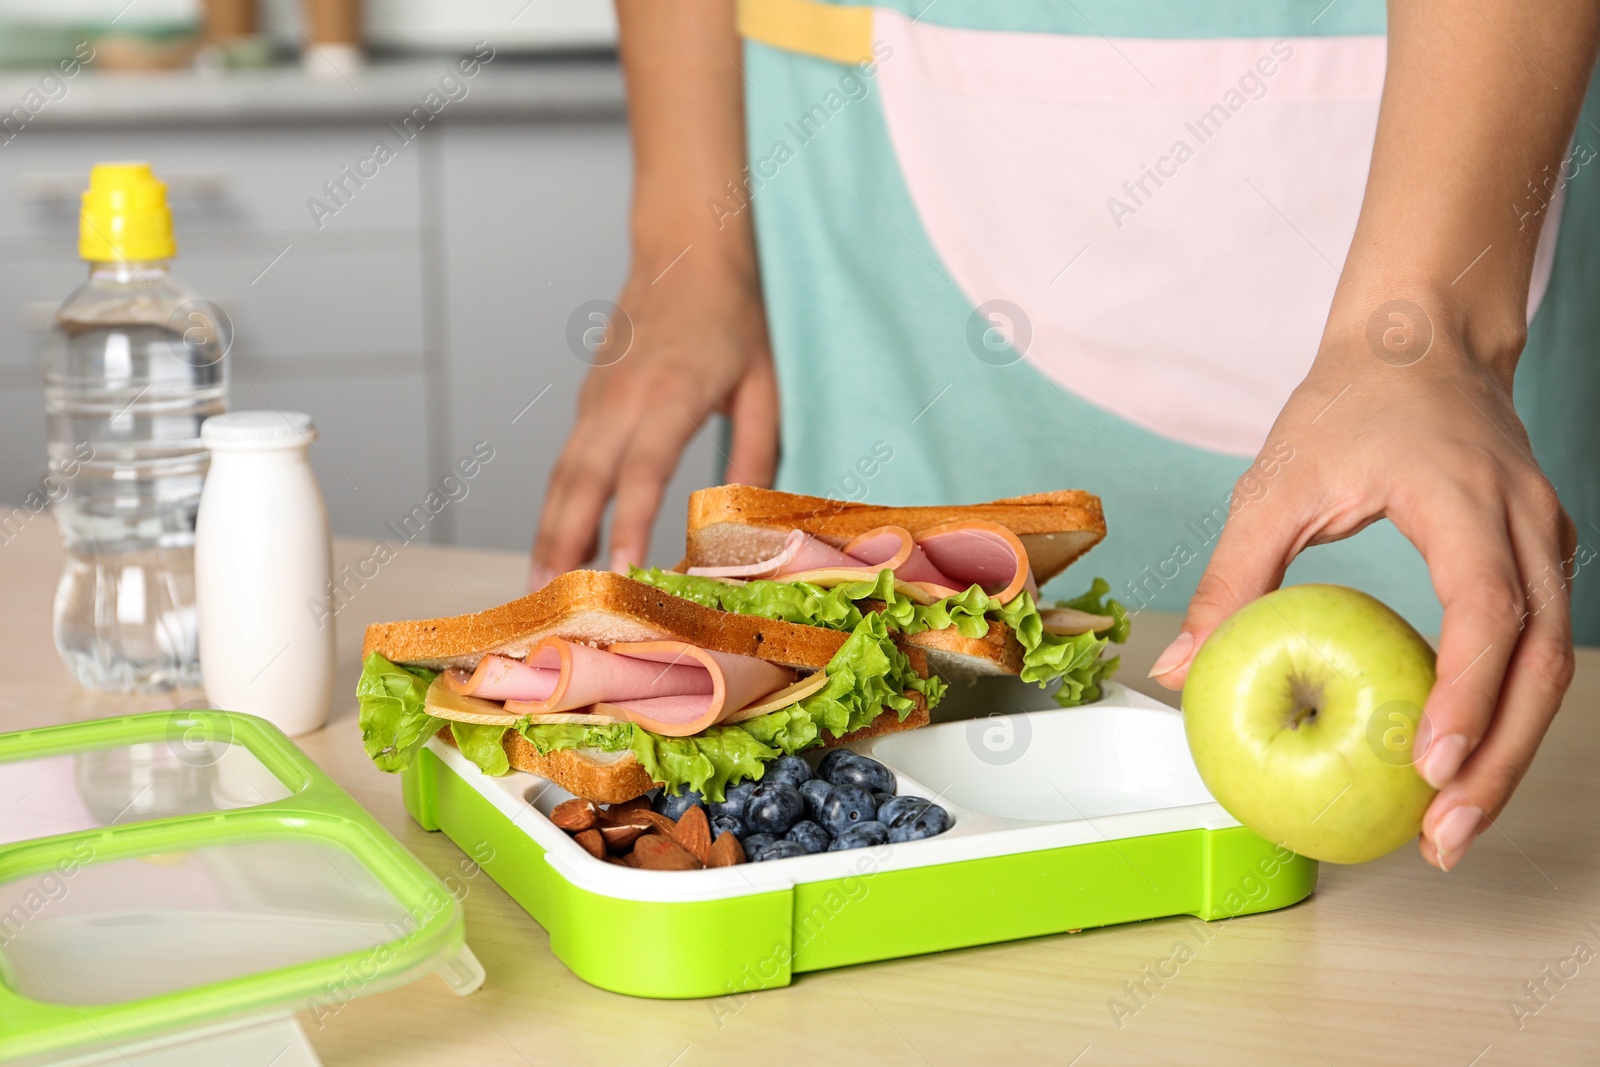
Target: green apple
<point x="1302" y="712"/>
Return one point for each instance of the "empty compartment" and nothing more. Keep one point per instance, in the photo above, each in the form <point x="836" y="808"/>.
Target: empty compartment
<point x="1053" y="766"/>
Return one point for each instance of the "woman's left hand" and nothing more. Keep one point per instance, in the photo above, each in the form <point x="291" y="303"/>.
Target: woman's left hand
<point x="1435" y="447"/>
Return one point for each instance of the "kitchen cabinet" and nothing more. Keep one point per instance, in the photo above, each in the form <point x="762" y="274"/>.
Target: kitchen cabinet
<point x="425" y="312"/>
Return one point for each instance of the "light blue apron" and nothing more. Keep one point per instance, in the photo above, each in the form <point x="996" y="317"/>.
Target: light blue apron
<point x="991" y="267"/>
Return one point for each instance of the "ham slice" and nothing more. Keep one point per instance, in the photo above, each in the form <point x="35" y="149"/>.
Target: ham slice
<point x="669" y="687"/>
<point x="501" y="678"/>
<point x="561" y="675"/>
<point x="734" y="682"/>
<point x="940" y="561"/>
<point x="893" y="547"/>
<point x="977" y="552"/>
<point x="801" y="552"/>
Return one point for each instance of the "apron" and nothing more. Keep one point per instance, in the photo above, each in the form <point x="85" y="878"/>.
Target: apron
<point x="1036" y="245"/>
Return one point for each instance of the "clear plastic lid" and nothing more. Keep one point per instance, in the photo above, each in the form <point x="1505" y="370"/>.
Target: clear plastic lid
<point x="101" y="933"/>
<point x="175" y="870"/>
<point x="65" y="793"/>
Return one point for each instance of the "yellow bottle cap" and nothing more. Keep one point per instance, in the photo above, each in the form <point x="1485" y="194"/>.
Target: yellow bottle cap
<point x="125" y="216"/>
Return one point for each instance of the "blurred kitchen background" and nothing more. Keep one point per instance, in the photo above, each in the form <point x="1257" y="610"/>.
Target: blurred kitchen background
<point x="421" y="309"/>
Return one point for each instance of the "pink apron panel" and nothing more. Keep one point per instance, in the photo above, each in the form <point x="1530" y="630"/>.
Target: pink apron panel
<point x="1170" y="215"/>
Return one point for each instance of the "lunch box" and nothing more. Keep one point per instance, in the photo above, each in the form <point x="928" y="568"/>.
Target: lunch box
<point x="1062" y="819"/>
<point x="174" y="885"/>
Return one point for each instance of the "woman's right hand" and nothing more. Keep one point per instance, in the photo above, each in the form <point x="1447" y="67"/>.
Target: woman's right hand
<point x="696" y="340"/>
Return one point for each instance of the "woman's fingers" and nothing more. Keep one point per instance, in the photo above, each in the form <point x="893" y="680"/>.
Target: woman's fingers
<point x="1536" y="677"/>
<point x="753" y="450"/>
<point x="1259" y="539"/>
<point x="580" y="484"/>
<point x="1476" y="575"/>
<point x="648" y="464"/>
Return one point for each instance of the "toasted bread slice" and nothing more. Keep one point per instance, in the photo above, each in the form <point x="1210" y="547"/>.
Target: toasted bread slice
<point x="613" y="777"/>
<point x="952" y="655"/>
<point x="730" y="524"/>
<point x="597" y="608"/>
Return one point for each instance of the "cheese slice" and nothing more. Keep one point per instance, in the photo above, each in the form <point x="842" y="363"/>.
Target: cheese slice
<point x="442" y="702"/>
<point x="784" y="697"/>
<point x="1069" y="622"/>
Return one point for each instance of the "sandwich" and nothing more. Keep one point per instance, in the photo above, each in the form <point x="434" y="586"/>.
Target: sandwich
<point x="960" y="583"/>
<point x="610" y="688"/>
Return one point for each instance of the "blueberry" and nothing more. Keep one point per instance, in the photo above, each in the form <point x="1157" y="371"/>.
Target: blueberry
<point x="900" y="809"/>
<point x="861" y="835"/>
<point x="728" y="824"/>
<point x="773" y="808"/>
<point x="755" y="843"/>
<point x="928" y="822"/>
<point x="844" y="807"/>
<point x="881" y="799"/>
<point x="814" y="791"/>
<point x="809" y="835"/>
<point x="736" y="798"/>
<point x="869" y="774"/>
<point x="778" y="850"/>
<point x="673" y="807"/>
<point x="832" y="760"/>
<point x="791" y="769"/>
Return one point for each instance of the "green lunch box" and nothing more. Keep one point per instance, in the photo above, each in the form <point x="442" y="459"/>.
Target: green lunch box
<point x="1061" y="820"/>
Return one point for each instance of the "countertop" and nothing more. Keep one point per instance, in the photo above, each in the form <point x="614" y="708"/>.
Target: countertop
<point x="1388" y="963"/>
<point x="509" y="86"/>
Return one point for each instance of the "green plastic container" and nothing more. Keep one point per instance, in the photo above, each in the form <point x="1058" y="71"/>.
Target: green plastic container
<point x="173" y="885"/>
<point x="1063" y="820"/>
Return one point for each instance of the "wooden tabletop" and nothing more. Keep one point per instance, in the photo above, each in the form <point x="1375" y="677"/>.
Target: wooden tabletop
<point x="1388" y="963"/>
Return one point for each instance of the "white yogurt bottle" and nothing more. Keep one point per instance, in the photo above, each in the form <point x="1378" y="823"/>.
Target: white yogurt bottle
<point x="262" y="561"/>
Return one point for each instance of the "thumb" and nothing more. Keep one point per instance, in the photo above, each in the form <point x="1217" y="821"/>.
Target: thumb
<point x="1257" y="543"/>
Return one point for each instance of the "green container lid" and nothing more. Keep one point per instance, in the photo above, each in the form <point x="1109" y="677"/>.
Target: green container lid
<point x="163" y="874"/>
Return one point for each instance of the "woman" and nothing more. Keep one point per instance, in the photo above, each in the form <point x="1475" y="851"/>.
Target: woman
<point x="1136" y="247"/>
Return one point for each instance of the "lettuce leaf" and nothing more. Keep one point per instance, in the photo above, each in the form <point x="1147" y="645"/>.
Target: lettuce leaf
<point x="483" y="746"/>
<point x="394" y="722"/>
<point x="1096" y="602"/>
<point x="1075" y="661"/>
<point x="801" y="602"/>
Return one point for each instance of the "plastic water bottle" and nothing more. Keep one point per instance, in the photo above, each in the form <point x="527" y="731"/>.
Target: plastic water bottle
<point x="133" y="363"/>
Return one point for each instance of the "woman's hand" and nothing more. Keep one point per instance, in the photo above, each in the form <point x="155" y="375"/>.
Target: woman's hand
<point x="1418" y="427"/>
<point x="1435" y="447"/>
<point x="692" y="332"/>
<point x="697" y="342"/>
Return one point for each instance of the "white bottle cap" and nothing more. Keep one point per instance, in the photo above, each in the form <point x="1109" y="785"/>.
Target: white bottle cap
<point x="244" y="430"/>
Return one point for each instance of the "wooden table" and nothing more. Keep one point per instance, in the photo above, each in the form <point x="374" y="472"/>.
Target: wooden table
<point x="1389" y="963"/>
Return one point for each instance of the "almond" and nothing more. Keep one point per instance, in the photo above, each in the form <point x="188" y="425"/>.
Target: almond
<point x="725" y="851"/>
<point x="575" y="814"/>
<point x="619" y="861"/>
<point x="631" y="859"/>
<point x="591" y="842"/>
<point x="657" y="853"/>
<point x="654" y="820"/>
<point x="621" y="838"/>
<point x="636" y="804"/>
<point x="693" y="832"/>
